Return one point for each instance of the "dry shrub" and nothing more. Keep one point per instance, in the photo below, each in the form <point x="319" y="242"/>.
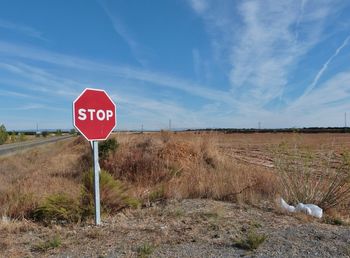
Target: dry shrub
<point x="137" y="163"/>
<point x="29" y="177"/>
<point x="321" y="178"/>
<point x="186" y="168"/>
<point x="151" y="167"/>
<point x="17" y="204"/>
<point x="10" y="226"/>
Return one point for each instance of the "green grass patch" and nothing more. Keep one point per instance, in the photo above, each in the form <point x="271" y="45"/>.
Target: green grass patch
<point x="251" y="241"/>
<point x="47" y="245"/>
<point x="58" y="208"/>
<point x="145" y="250"/>
<point x="113" y="194"/>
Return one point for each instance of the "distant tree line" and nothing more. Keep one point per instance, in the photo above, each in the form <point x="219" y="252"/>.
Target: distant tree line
<point x="21" y="135"/>
<point x="280" y="130"/>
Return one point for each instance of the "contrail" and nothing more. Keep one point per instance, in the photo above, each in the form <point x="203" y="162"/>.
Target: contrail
<point x="322" y="70"/>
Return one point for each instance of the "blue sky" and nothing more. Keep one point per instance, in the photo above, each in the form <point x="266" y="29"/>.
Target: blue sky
<point x="200" y="63"/>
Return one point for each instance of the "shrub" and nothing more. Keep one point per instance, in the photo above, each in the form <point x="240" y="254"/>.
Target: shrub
<point x="138" y="163"/>
<point x="192" y="168"/>
<point x="3" y="134"/>
<point x="16" y="203"/>
<point x="319" y="178"/>
<point x="22" y="137"/>
<point x="157" y="194"/>
<point x="112" y="194"/>
<point x="251" y="241"/>
<point x="13" y="137"/>
<point x="47" y="245"/>
<point x="107" y="147"/>
<point x="145" y="250"/>
<point x="58" y="208"/>
<point x="45" y="133"/>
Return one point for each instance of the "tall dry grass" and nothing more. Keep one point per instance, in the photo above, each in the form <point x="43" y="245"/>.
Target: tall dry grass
<point x="152" y="167"/>
<point x="186" y="167"/>
<point x="320" y="177"/>
<point x="28" y="178"/>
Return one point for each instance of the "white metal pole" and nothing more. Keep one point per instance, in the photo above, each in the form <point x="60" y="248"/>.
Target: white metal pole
<point x="96" y="184"/>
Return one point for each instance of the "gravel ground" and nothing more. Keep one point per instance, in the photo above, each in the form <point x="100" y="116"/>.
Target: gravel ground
<point x="190" y="228"/>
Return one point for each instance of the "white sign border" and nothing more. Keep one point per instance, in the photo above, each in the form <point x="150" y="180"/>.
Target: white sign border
<point x="115" y="110"/>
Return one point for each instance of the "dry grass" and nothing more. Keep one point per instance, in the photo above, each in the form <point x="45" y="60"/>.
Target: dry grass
<point x="28" y="178"/>
<point x="186" y="167"/>
<point x="155" y="166"/>
<point x="321" y="178"/>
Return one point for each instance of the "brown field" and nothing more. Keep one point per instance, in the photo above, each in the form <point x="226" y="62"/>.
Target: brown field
<point x="153" y="168"/>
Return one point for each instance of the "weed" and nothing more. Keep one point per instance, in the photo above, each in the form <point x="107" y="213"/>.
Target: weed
<point x="47" y="245"/>
<point x="255" y="224"/>
<point x="94" y="233"/>
<point x="157" y="194"/>
<point x="334" y="221"/>
<point x="145" y="250"/>
<point x="112" y="193"/>
<point x="165" y="135"/>
<point x="179" y="213"/>
<point x="212" y="215"/>
<point x="106" y="147"/>
<point x="251" y="241"/>
<point x="347" y="250"/>
<point x="314" y="177"/>
<point x="58" y="208"/>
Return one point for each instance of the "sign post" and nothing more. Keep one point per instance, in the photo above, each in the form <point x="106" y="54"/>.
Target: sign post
<point x="96" y="184"/>
<point x="94" y="116"/>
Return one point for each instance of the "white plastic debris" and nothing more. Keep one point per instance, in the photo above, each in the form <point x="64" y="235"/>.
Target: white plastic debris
<point x="287" y="207"/>
<point x="309" y="209"/>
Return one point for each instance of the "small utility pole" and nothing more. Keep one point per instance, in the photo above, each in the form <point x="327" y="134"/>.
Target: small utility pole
<point x="345" y="120"/>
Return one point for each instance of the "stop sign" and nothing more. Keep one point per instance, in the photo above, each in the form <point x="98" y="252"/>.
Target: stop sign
<point x="94" y="114"/>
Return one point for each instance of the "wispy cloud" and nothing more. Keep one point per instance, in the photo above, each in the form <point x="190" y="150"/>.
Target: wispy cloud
<point x="43" y="81"/>
<point x="8" y="93"/>
<point x="120" y="28"/>
<point x="257" y="45"/>
<point x="199" y="6"/>
<point x="153" y="113"/>
<point x="324" y="68"/>
<point x="263" y="41"/>
<point x="268" y="50"/>
<point x="23" y="29"/>
<point x="34" y="106"/>
<point x="127" y="72"/>
<point x="332" y="92"/>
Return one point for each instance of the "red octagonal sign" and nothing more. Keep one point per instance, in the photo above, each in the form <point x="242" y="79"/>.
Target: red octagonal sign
<point x="94" y="114"/>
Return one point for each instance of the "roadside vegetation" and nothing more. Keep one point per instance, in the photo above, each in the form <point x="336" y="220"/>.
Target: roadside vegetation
<point x="321" y="177"/>
<point x="141" y="169"/>
<point x="172" y="188"/>
<point x="3" y="134"/>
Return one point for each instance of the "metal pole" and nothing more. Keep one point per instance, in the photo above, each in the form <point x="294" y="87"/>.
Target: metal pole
<point x="97" y="184"/>
<point x="345" y="120"/>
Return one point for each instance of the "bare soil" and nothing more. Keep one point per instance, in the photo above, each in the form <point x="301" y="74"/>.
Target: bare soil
<point x="187" y="228"/>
